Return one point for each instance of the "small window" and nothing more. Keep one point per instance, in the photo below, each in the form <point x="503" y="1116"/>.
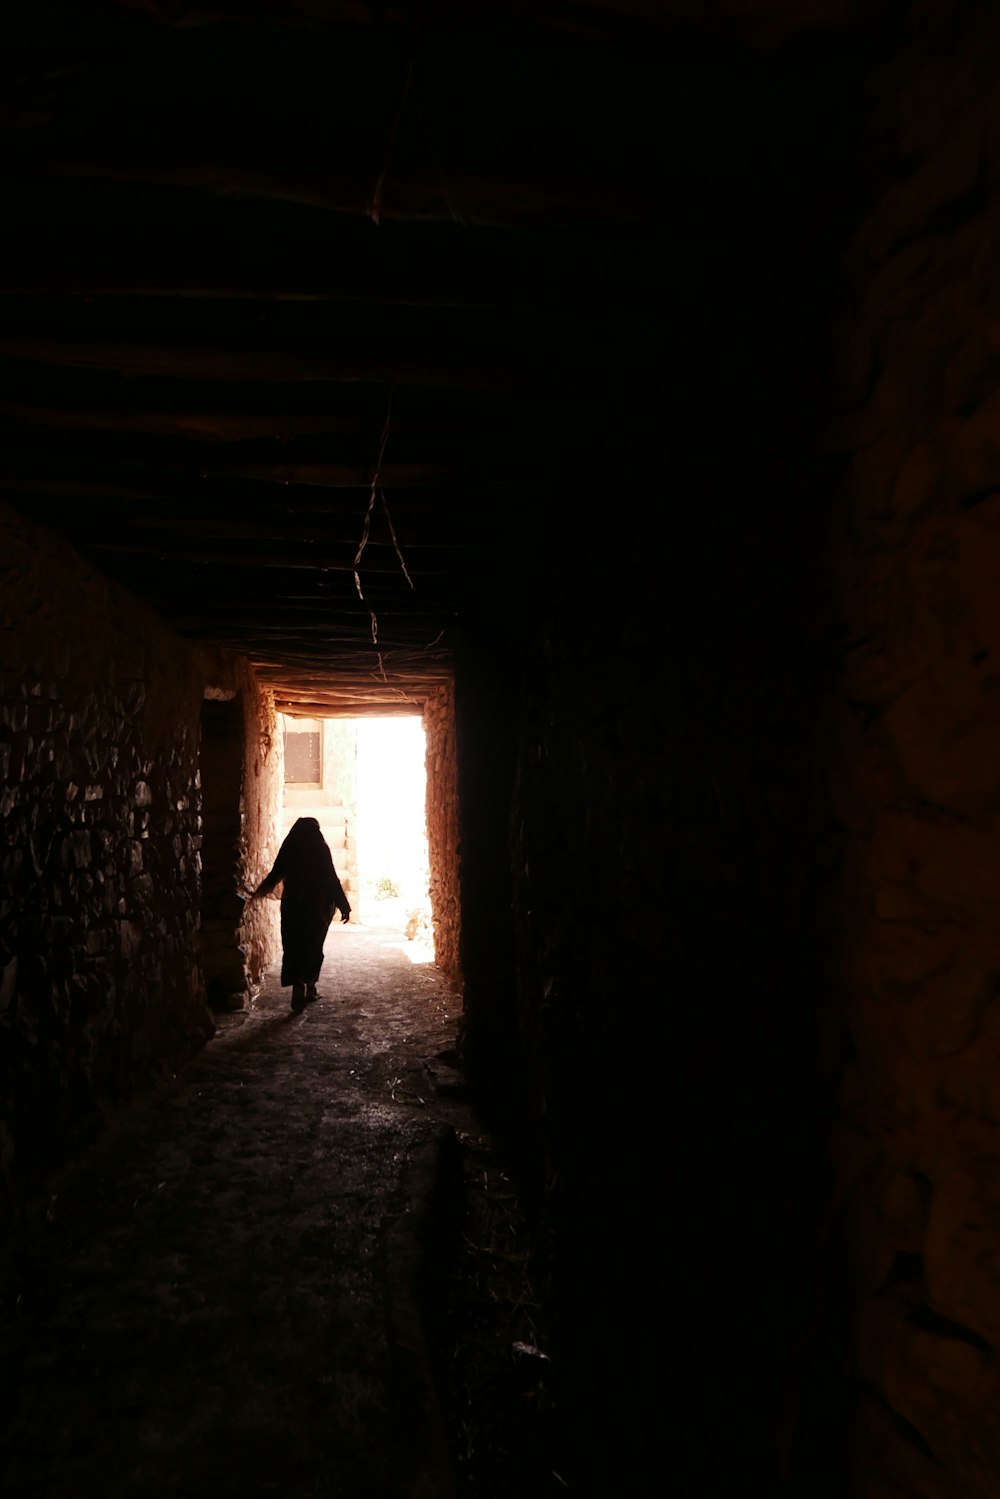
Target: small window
<point x="304" y="753"/>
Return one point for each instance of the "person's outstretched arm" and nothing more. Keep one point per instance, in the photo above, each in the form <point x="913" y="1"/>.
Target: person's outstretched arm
<point x="269" y="881"/>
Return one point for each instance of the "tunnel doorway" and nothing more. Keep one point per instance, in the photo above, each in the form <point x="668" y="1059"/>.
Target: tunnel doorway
<point x="364" y="780"/>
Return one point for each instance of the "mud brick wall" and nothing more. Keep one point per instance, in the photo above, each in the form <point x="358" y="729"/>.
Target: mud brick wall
<point x="913" y="734"/>
<point x="100" y="986"/>
<point x="442" y="829"/>
<point x="262" y="781"/>
<point x="241" y="783"/>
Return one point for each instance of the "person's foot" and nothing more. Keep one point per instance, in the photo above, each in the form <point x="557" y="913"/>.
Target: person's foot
<point x="311" y="993"/>
<point x="298" y="997"/>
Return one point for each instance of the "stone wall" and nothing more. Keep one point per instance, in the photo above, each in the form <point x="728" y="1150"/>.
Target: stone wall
<point x="442" y="829"/>
<point x="221" y="760"/>
<point x="100" y="716"/>
<point x="913" y="737"/>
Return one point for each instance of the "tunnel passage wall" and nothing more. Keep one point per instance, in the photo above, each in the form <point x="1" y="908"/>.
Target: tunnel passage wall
<point x="666" y="849"/>
<point x="442" y="830"/>
<point x="241" y="785"/>
<point x="101" y="985"/>
<point x="648" y="719"/>
<point x="485" y="740"/>
<point x="913" y="735"/>
<point x="221" y="761"/>
<point x="654" y="1062"/>
<point x="756" y="860"/>
<point x="258" y="933"/>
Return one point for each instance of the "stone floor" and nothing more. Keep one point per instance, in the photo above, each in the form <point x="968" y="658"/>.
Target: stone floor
<point x="269" y="1276"/>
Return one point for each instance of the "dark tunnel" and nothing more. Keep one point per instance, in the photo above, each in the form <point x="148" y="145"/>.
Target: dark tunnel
<point x="609" y="383"/>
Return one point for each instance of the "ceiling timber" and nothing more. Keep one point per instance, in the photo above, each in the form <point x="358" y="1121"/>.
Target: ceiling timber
<point x="311" y="307"/>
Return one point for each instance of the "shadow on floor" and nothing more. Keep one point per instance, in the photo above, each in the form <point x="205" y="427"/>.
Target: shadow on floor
<point x="297" y="1269"/>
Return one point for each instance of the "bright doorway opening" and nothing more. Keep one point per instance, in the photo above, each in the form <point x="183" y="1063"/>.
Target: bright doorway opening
<point x="364" y="780"/>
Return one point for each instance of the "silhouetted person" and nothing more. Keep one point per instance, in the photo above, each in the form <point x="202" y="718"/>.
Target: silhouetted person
<point x="310" y="893"/>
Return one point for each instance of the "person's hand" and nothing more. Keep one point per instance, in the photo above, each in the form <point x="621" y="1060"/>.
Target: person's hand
<point x="345" y="913"/>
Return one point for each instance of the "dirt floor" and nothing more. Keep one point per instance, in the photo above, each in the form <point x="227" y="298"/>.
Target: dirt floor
<point x="298" y="1268"/>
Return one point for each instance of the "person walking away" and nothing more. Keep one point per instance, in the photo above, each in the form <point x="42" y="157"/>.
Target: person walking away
<point x="310" y="893"/>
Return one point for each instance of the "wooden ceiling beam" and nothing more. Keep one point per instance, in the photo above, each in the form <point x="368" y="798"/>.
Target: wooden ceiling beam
<point x="376" y="666"/>
<point x="180" y="279"/>
<point x="604" y="25"/>
<point x="218" y="426"/>
<point x="336" y="653"/>
<point x="434" y="515"/>
<point x="340" y="705"/>
<point x="356" y="700"/>
<point x="279" y="362"/>
<point x="252" y="564"/>
<point x="185" y="541"/>
<point x="417" y="476"/>
<point x="392" y="476"/>
<point x="356" y="686"/>
<point x="379" y="672"/>
<point x="304" y="651"/>
<point x="600" y="23"/>
<point x="302" y="553"/>
<point x="480" y="430"/>
<point x="126" y="462"/>
<point x="354" y="689"/>
<point x="472" y="200"/>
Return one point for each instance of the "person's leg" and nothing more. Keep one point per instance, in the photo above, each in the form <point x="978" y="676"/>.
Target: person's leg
<point x="314" y="961"/>
<point x="295" y="923"/>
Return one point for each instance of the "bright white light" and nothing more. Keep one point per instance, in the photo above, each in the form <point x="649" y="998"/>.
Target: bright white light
<point x="379" y="796"/>
<point x="392" y="830"/>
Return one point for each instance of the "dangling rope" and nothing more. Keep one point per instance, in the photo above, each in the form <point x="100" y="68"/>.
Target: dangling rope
<point x="366" y="528"/>
<point x="378" y="493"/>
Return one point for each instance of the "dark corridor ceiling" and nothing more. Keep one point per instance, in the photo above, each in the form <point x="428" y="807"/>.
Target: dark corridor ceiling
<point x="309" y="308"/>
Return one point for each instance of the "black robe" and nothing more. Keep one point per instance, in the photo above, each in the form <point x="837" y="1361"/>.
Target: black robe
<point x="310" y="893"/>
